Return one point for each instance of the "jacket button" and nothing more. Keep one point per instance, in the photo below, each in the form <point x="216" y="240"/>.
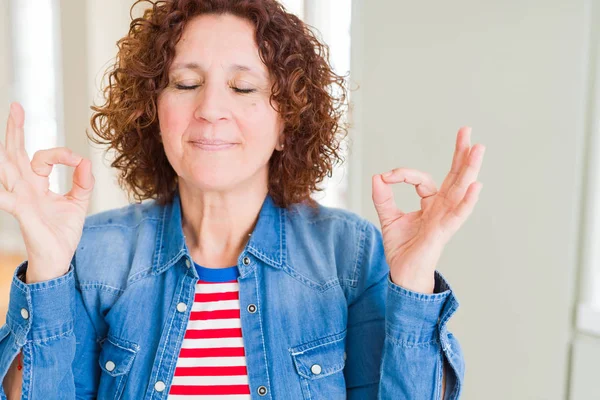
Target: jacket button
<point x="181" y="307"/>
<point x="262" y="390"/>
<point x="315" y="369"/>
<point x="159" y="386"/>
<point x="24" y="313"/>
<point x="251" y="308"/>
<point x="246" y="260"/>
<point x="188" y="263"/>
<point x="110" y="366"/>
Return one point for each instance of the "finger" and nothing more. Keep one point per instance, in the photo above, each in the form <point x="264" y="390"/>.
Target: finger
<point x="383" y="199"/>
<point x="463" y="210"/>
<point x="44" y="160"/>
<point x="83" y="181"/>
<point x="14" y="129"/>
<point x="422" y="181"/>
<point x="427" y="202"/>
<point x="15" y="140"/>
<point x="462" y="148"/>
<point x="8" y="202"/>
<point x="8" y="171"/>
<point x="468" y="175"/>
<point x="461" y="153"/>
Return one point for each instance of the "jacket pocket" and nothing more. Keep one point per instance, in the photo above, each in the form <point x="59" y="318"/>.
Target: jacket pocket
<point x="320" y="365"/>
<point x="116" y="359"/>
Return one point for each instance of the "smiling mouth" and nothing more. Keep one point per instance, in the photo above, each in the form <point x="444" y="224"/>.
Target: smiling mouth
<point x="212" y="145"/>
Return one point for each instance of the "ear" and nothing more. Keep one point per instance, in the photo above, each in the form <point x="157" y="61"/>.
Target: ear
<point x="280" y="144"/>
<point x="280" y="139"/>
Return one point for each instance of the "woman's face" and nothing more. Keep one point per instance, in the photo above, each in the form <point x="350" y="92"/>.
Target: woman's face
<point x="217" y="125"/>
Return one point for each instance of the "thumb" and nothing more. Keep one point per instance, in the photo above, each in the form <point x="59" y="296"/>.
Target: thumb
<point x="383" y="199"/>
<point x="83" y="181"/>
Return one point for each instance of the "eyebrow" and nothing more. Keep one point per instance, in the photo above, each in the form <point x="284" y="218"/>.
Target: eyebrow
<point x="234" y="67"/>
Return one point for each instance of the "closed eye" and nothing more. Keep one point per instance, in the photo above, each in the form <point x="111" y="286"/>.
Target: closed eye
<point x="238" y="90"/>
<point x="184" y="87"/>
<point x="192" y="87"/>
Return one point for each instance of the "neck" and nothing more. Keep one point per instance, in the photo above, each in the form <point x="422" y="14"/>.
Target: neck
<point x="217" y="225"/>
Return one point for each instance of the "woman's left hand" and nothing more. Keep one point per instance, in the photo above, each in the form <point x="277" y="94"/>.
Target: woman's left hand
<point x="413" y="242"/>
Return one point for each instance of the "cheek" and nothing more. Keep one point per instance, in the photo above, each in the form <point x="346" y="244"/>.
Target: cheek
<point x="259" y="121"/>
<point x="171" y="115"/>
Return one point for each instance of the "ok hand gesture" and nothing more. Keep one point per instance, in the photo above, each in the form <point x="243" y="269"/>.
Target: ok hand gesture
<point x="413" y="242"/>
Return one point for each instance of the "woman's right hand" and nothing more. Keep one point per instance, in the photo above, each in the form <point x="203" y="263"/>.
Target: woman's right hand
<point x="51" y="223"/>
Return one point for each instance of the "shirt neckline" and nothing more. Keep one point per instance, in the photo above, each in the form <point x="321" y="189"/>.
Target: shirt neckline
<point x="217" y="274"/>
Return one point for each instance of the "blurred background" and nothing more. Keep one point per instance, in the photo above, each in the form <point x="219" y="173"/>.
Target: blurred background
<point x="523" y="73"/>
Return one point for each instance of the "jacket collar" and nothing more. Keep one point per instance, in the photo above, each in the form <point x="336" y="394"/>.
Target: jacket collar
<point x="267" y="241"/>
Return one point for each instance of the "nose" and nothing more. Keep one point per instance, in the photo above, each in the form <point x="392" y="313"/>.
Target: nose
<point x="212" y="103"/>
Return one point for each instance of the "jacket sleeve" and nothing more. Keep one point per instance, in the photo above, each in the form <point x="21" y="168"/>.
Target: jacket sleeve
<point x="48" y="322"/>
<point x="397" y="342"/>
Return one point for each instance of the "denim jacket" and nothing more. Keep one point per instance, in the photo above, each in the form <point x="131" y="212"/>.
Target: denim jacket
<point x="314" y="289"/>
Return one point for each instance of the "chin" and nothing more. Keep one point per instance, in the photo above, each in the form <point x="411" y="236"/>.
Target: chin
<point x="213" y="183"/>
<point x="214" y="179"/>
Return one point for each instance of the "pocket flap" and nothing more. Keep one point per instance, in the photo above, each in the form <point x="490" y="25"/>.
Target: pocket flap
<point x="116" y="357"/>
<point x="320" y="358"/>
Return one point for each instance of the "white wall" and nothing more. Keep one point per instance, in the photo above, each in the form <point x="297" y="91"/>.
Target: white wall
<point x="107" y="22"/>
<point x="515" y="71"/>
<point x="90" y="30"/>
<point x="8" y="225"/>
<point x="586" y="344"/>
<point x="5" y="67"/>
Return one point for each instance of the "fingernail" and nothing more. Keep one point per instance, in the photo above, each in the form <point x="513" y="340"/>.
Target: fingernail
<point x="388" y="174"/>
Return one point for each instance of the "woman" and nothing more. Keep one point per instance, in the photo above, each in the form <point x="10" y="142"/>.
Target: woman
<point x="229" y="283"/>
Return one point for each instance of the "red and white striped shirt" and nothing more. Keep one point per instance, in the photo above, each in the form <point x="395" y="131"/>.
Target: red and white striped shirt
<point x="212" y="361"/>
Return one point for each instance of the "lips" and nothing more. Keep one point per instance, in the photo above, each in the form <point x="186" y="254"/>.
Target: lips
<point x="212" y="144"/>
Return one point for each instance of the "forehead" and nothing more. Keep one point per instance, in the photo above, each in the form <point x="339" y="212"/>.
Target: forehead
<point x="223" y="39"/>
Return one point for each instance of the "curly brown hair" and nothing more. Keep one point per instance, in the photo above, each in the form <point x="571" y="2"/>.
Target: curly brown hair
<point x="310" y="98"/>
